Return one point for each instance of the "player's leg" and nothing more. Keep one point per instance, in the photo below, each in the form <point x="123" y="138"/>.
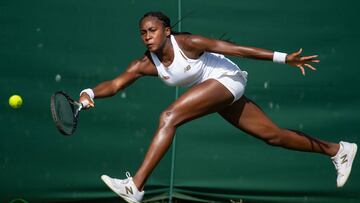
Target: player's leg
<point x="207" y="97"/>
<point x="247" y="116"/>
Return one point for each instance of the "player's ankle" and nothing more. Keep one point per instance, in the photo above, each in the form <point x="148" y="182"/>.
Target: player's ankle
<point x="138" y="183"/>
<point x="334" y="150"/>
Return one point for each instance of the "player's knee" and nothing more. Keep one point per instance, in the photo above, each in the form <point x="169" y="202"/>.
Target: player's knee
<point x="169" y="118"/>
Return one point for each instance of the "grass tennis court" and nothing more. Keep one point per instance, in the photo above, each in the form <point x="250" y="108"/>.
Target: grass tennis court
<point x="49" y="46"/>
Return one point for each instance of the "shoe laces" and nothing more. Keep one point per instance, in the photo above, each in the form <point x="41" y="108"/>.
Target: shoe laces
<point x="128" y="174"/>
<point x="128" y="178"/>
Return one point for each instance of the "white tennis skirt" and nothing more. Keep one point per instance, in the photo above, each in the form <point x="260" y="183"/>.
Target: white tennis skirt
<point x="228" y="74"/>
<point x="218" y="67"/>
<point x="235" y="83"/>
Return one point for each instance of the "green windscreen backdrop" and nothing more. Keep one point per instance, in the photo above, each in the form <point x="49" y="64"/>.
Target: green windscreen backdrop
<point x="69" y="45"/>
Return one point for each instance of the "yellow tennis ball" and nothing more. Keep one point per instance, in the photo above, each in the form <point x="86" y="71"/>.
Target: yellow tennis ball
<point x="15" y="101"/>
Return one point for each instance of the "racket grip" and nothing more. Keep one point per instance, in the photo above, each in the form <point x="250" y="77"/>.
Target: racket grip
<point x="85" y="103"/>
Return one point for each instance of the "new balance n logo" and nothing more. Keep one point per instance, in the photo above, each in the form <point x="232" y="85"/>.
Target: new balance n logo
<point x="188" y="67"/>
<point x="344" y="159"/>
<point x="129" y="190"/>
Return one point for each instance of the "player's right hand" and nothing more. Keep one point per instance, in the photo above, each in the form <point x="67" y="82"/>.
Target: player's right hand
<point x="86" y="101"/>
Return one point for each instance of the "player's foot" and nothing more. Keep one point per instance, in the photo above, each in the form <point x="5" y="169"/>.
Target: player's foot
<point x="343" y="161"/>
<point x="124" y="188"/>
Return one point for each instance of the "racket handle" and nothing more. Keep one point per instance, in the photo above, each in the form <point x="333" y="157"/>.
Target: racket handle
<point x="85" y="103"/>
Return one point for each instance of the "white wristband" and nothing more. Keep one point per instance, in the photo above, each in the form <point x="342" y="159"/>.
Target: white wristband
<point x="89" y="92"/>
<point x="85" y="103"/>
<point x="279" y="57"/>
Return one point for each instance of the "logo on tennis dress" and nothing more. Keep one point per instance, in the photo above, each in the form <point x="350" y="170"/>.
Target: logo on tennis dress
<point x="187" y="68"/>
<point x="165" y="77"/>
<point x="344" y="159"/>
<point x="129" y="190"/>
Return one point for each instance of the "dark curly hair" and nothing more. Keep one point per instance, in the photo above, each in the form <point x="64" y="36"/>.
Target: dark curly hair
<point x="164" y="19"/>
<point x="159" y="15"/>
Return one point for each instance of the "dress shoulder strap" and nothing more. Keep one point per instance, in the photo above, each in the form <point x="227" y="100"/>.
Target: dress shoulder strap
<point x="177" y="48"/>
<point x="155" y="59"/>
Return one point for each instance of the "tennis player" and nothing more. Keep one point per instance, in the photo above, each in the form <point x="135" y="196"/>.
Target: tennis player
<point x="215" y="84"/>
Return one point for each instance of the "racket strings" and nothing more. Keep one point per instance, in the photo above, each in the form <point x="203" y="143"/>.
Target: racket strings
<point x="65" y="112"/>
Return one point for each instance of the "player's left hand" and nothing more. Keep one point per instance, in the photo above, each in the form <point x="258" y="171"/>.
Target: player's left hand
<point x="295" y="59"/>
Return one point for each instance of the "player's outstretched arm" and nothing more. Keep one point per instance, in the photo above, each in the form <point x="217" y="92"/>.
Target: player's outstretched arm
<point x="201" y="44"/>
<point x="136" y="69"/>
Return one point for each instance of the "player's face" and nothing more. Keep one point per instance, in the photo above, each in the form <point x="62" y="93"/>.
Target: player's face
<point x="153" y="33"/>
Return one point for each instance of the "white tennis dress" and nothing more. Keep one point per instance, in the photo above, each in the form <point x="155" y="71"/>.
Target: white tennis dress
<point x="187" y="72"/>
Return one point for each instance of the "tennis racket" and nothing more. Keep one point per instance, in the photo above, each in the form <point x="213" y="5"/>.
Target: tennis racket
<point x="65" y="112"/>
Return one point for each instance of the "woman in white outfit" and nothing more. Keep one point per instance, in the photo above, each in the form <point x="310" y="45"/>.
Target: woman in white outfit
<point x="215" y="84"/>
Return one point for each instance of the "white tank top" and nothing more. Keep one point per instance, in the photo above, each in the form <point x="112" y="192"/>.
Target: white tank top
<point x="187" y="72"/>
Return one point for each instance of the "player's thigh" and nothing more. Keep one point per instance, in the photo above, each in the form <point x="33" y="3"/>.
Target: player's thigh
<point x="248" y="117"/>
<point x="207" y="97"/>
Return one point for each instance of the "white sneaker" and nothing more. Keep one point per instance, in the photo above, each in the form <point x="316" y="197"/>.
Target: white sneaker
<point x="343" y="161"/>
<point x="124" y="188"/>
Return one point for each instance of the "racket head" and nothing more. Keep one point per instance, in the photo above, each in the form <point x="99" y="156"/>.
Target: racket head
<point x="65" y="112"/>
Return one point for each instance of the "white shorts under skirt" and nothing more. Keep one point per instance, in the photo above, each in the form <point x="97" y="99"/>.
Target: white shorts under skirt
<point x="228" y="74"/>
<point x="234" y="82"/>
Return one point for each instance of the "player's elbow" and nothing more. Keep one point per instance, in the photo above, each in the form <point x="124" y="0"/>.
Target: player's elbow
<point x="132" y="73"/>
<point x="134" y="68"/>
<point x="123" y="81"/>
<point x="114" y="86"/>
